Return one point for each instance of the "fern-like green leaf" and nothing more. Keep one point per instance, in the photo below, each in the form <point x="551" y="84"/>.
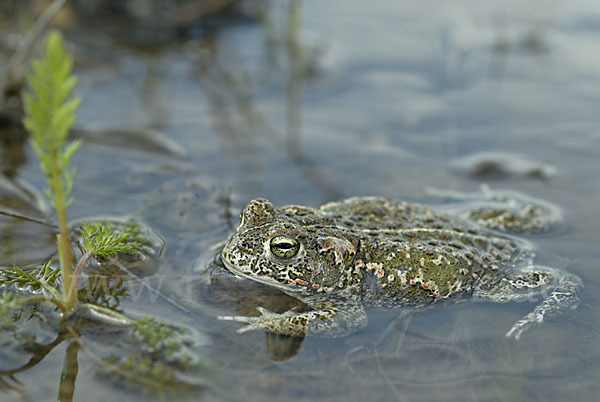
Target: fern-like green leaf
<point x="100" y="239"/>
<point x="45" y="277"/>
<point x="69" y="151"/>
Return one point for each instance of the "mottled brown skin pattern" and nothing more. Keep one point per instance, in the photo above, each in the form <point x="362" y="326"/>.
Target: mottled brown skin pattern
<point x="413" y="255"/>
<point x="382" y="253"/>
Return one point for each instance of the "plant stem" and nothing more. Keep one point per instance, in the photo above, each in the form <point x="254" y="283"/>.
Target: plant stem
<point x="105" y="315"/>
<point x="78" y="269"/>
<point x="26" y="218"/>
<point x="64" y="238"/>
<point x="36" y="299"/>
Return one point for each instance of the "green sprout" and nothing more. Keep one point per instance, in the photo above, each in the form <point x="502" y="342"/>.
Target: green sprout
<point x="49" y="114"/>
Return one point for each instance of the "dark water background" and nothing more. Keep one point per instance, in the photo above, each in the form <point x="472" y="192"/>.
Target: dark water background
<point x="307" y="102"/>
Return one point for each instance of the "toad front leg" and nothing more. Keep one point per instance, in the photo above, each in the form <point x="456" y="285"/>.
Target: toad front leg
<point x="332" y="318"/>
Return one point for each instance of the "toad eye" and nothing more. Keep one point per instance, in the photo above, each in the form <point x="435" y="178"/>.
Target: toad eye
<point x="284" y="247"/>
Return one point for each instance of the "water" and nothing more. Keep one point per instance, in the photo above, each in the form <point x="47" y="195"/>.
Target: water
<point x="361" y="99"/>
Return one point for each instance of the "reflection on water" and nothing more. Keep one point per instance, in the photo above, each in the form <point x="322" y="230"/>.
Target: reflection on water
<point x="193" y="108"/>
<point x="237" y="120"/>
<point x="38" y="351"/>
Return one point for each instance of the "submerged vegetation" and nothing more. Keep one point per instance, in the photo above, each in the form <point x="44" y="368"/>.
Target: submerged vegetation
<point x="10" y="305"/>
<point x="163" y="351"/>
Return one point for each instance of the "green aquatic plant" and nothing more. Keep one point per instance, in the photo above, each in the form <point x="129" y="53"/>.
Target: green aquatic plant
<point x="160" y="352"/>
<point x="49" y="114"/>
<point x="44" y="277"/>
<point x="164" y="341"/>
<point x="101" y="239"/>
<point x="50" y="111"/>
<point x="98" y="240"/>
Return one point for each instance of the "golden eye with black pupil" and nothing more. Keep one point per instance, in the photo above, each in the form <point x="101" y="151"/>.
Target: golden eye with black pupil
<point x="284" y="247"/>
